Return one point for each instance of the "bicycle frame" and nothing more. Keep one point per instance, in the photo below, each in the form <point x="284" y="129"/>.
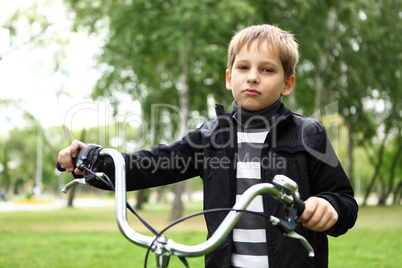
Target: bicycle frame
<point x="283" y="189"/>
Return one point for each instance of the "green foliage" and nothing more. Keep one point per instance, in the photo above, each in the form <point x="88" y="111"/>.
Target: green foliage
<point x="18" y="153"/>
<point x="145" y="39"/>
<point x="350" y="53"/>
<point x="19" y="158"/>
<point x="149" y="44"/>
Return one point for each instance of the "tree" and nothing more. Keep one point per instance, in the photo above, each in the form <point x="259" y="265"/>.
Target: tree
<point x="380" y="45"/>
<point x="164" y="52"/>
<point x="348" y="52"/>
<point x="31" y="27"/>
<point x="17" y="150"/>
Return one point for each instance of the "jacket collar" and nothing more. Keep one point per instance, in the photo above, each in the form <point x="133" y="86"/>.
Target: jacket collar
<point x="224" y="117"/>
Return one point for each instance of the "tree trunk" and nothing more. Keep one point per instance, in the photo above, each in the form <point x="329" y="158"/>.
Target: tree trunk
<point x="350" y="152"/>
<point x="140" y="199"/>
<point x="160" y="193"/>
<point x="5" y="178"/>
<point x="398" y="194"/>
<point x="177" y="211"/>
<point x="382" y="193"/>
<point x="387" y="187"/>
<point x="380" y="157"/>
<point x="323" y="61"/>
<point x="183" y="88"/>
<point x="189" y="191"/>
<point x="70" y="197"/>
<point x="319" y="86"/>
<point x="377" y="167"/>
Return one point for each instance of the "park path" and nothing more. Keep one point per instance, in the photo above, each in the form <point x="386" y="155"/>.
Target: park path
<point x="49" y="203"/>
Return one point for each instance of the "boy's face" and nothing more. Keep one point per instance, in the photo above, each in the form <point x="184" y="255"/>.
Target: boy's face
<point x="257" y="78"/>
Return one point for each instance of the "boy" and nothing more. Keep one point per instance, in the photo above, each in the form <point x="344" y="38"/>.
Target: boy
<point x="259" y="139"/>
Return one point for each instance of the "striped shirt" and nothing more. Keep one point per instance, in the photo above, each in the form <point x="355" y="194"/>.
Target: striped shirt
<point x="249" y="234"/>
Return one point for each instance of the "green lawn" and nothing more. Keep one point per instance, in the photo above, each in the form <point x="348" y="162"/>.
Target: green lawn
<point x="90" y="238"/>
<point x="374" y="242"/>
<point x="87" y="238"/>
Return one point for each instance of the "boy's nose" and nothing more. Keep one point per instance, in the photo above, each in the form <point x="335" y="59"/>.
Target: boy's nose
<point x="253" y="80"/>
<point x="253" y="77"/>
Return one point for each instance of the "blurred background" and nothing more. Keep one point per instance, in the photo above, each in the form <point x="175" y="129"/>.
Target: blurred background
<point x="130" y="74"/>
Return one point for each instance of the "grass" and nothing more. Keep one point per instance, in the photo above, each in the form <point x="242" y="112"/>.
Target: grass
<point x="90" y="238"/>
<point x="87" y="238"/>
<point x="374" y="242"/>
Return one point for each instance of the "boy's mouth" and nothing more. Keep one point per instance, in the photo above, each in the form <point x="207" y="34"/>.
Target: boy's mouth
<point x="251" y="92"/>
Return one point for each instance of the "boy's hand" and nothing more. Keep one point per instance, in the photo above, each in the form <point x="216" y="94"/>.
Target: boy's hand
<point x="319" y="215"/>
<point x="66" y="156"/>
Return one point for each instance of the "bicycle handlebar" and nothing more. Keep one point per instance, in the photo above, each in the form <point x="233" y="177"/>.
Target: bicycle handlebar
<point x="121" y="199"/>
<point x="282" y="188"/>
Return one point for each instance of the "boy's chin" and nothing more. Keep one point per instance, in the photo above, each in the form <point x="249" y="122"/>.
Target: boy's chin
<point x="252" y="107"/>
<point x="255" y="106"/>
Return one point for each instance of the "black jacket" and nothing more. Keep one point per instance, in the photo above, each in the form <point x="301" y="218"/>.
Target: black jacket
<point x="297" y="146"/>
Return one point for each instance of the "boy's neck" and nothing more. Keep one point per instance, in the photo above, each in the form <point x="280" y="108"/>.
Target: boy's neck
<point x="256" y="119"/>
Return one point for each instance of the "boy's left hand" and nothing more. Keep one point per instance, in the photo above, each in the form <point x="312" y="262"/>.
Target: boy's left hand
<point x="319" y="215"/>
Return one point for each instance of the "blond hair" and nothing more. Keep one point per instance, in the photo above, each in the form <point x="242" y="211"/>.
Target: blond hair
<point x="278" y="40"/>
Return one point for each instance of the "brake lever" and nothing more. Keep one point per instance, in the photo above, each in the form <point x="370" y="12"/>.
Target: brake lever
<point x="304" y="242"/>
<point x="88" y="178"/>
<point x="287" y="228"/>
<point x="72" y="184"/>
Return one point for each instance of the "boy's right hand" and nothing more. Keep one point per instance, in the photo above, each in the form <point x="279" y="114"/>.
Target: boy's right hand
<point x="319" y="215"/>
<point x="66" y="156"/>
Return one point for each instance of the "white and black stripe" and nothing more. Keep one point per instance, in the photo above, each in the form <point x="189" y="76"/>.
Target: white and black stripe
<point x="249" y="234"/>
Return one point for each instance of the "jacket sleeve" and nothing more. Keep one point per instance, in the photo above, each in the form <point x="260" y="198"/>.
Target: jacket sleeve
<point x="328" y="180"/>
<point x="165" y="164"/>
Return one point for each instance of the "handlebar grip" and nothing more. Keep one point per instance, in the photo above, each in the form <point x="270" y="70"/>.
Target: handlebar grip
<point x="300" y="206"/>
<point x="59" y="168"/>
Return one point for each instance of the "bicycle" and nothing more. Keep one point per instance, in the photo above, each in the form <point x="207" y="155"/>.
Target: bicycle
<point x="282" y="188"/>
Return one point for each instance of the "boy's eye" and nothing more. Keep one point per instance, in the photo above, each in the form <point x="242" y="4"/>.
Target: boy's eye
<point x="242" y="67"/>
<point x="267" y="70"/>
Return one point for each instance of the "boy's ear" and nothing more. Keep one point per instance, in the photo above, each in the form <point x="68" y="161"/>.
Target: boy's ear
<point x="228" y="80"/>
<point x="287" y="89"/>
